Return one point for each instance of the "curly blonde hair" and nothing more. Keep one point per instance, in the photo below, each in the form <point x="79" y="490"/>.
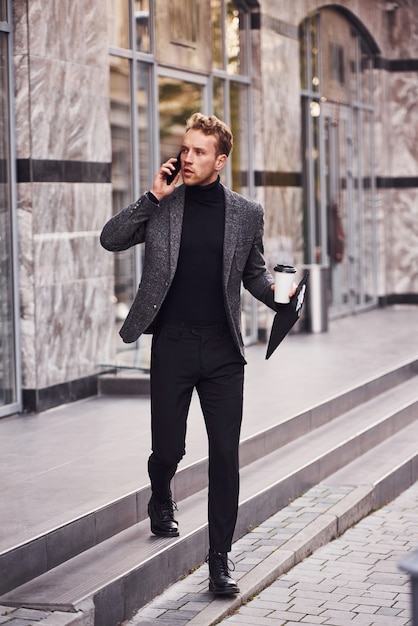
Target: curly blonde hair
<point x="211" y="125"/>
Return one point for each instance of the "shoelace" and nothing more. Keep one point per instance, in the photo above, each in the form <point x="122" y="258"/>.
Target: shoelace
<point x="167" y="508"/>
<point x="225" y="565"/>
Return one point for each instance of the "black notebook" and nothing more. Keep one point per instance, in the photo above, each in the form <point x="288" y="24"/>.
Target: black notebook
<point x="287" y="315"/>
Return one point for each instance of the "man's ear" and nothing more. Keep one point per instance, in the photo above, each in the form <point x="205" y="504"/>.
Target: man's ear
<point x="220" y="162"/>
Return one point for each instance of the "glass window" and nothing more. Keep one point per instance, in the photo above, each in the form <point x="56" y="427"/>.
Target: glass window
<point x="229" y="37"/>
<point x="177" y="100"/>
<point x="142" y="26"/>
<point x="183" y="36"/>
<point x="217" y="34"/>
<point x="238" y="105"/>
<point x="232" y="39"/>
<point x="218" y="97"/>
<point x="118" y="23"/>
<point x="339" y="196"/>
<point x="366" y="75"/>
<point x="149" y="108"/>
<point x="122" y="187"/>
<point x="3" y="10"/>
<point x="145" y="126"/>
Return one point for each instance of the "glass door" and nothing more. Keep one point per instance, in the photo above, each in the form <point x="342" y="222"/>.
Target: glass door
<point x="339" y="198"/>
<point x="349" y="208"/>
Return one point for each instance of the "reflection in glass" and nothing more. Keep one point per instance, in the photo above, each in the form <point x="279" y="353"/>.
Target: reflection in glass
<point x="229" y="37"/>
<point x="314" y="48"/>
<point x="366" y="75"/>
<point x="122" y="192"/>
<point x="239" y="125"/>
<point x="177" y="101"/>
<point x="144" y="125"/>
<point x="303" y="55"/>
<point x="118" y="23"/>
<point x="338" y="144"/>
<point x="217" y="34"/>
<point x="142" y="25"/>
<point x="368" y="207"/>
<point x="219" y="97"/>
<point x="7" y="328"/>
<point x="3" y="11"/>
<point x="232" y="39"/>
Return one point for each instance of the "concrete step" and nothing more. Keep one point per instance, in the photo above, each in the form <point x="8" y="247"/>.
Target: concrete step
<point x="128" y="569"/>
<point x="27" y="559"/>
<point x="327" y="510"/>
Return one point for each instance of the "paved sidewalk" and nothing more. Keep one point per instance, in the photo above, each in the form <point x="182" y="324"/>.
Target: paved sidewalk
<point x="98" y="447"/>
<point x="352" y="581"/>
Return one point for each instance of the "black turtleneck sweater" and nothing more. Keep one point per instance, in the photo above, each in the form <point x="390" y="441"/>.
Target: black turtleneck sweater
<point x="196" y="295"/>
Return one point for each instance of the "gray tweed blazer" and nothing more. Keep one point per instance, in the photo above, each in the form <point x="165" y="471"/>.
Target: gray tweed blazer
<point x="160" y="226"/>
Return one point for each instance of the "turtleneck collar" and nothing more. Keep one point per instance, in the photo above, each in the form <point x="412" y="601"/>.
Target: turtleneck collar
<point x="208" y="190"/>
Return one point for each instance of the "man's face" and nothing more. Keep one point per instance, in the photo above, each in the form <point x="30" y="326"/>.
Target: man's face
<point x="200" y="163"/>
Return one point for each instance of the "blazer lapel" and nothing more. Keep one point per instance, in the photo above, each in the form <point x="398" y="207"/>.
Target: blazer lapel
<point x="231" y="232"/>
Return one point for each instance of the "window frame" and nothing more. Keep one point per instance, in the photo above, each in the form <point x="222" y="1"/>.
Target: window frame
<point x="16" y="405"/>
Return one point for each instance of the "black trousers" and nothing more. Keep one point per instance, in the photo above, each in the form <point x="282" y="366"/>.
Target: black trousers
<point x="206" y="359"/>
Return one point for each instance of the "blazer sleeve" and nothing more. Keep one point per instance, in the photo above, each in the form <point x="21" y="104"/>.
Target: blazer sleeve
<point x="256" y="278"/>
<point x="128" y="227"/>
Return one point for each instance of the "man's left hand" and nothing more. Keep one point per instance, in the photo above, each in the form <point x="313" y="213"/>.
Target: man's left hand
<point x="291" y="293"/>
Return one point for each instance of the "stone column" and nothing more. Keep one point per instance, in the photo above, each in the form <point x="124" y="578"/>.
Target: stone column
<point x="64" y="196"/>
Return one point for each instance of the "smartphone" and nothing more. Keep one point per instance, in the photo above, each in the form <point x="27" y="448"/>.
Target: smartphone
<point x="177" y="166"/>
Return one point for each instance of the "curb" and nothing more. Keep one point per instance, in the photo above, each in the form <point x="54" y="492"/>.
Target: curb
<point x="353" y="507"/>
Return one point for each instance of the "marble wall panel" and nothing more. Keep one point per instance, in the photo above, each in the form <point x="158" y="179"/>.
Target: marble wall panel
<point x="70" y="207"/>
<point x="69" y="30"/>
<point x="382" y="135"/>
<point x="20" y="27"/>
<point x="402" y="252"/>
<point x="281" y="103"/>
<point x="402" y="30"/>
<point x="403" y="123"/>
<point x="26" y="286"/>
<point x="383" y="234"/>
<point x="75" y="330"/>
<point x="22" y="106"/>
<point x="68" y="257"/>
<point x="69" y="111"/>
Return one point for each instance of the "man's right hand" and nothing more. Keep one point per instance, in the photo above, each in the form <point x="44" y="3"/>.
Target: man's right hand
<point x="160" y="187"/>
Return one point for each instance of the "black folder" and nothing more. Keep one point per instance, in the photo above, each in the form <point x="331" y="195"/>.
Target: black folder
<point x="287" y="315"/>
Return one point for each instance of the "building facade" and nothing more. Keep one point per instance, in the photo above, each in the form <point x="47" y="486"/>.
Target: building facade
<point x="322" y="98"/>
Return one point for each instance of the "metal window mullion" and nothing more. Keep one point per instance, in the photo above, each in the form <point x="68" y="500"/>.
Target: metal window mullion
<point x="14" y="227"/>
<point x="373" y="194"/>
<point x="311" y="185"/>
<point x="361" y="211"/>
<point x="133" y="83"/>
<point x="350" y="204"/>
<point x="321" y="150"/>
<point x="227" y="120"/>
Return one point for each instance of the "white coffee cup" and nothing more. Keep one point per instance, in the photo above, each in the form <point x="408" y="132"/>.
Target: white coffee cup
<point x="284" y="278"/>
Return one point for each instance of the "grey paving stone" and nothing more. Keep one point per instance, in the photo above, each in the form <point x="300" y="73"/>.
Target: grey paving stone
<point x="352" y="581"/>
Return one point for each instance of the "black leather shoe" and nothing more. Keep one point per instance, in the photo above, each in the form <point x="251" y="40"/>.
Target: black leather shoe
<point x="162" y="519"/>
<point x="220" y="581"/>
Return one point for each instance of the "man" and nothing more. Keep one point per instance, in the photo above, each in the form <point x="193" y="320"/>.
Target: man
<point x="201" y="241"/>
